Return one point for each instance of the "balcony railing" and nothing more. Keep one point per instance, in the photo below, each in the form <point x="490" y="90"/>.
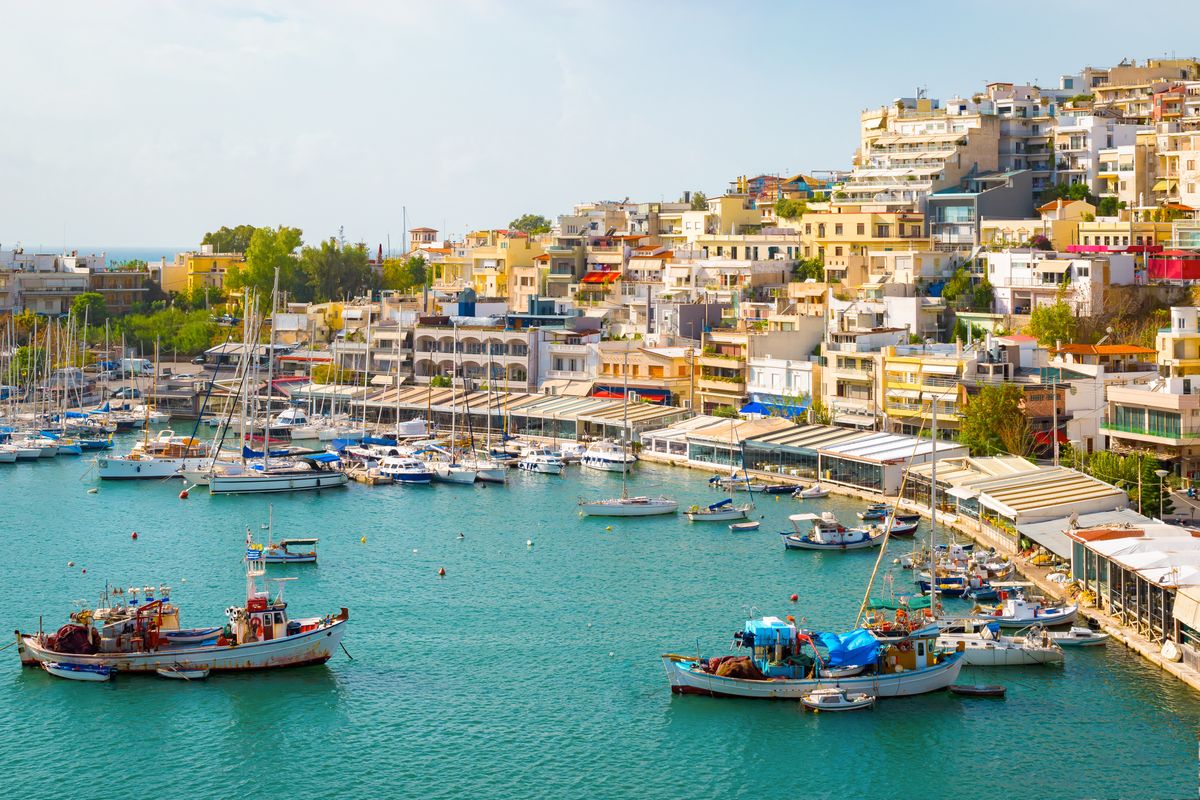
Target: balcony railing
<point x="1162" y="434"/>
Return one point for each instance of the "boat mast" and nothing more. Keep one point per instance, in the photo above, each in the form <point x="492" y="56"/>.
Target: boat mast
<point x="271" y="377"/>
<point x="933" y="515"/>
<point x="625" y="430"/>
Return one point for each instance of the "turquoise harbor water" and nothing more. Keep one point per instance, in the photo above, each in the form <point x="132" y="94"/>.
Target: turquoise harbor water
<point x="526" y="671"/>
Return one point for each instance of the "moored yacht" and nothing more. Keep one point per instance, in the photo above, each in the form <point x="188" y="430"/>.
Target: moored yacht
<point x="608" y="457"/>
<point x="165" y="456"/>
<point x="541" y="460"/>
<point x="828" y="534"/>
<point x="405" y="469"/>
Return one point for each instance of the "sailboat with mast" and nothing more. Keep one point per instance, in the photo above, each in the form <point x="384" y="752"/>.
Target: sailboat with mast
<point x="626" y="506"/>
<point x="450" y="470"/>
<point x="267" y="471"/>
<point x="725" y="510"/>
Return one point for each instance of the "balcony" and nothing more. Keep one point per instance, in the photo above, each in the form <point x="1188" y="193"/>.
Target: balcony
<point x="1156" y="436"/>
<point x="720" y="362"/>
<point x="568" y="349"/>
<point x="730" y="386"/>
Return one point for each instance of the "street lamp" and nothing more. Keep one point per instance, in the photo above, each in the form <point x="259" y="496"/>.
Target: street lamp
<point x="1161" y="473"/>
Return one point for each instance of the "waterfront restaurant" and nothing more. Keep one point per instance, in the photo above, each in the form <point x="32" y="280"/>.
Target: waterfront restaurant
<point x="704" y="440"/>
<point x="792" y="450"/>
<point x="956" y="478"/>
<point x="1145" y="574"/>
<point x="876" y="462"/>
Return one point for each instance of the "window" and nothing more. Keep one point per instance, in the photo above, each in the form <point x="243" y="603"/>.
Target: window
<point x="882" y="231"/>
<point x="861" y="229"/>
<point x="837" y="229"/>
<point x="837" y="251"/>
<point x="808" y="228"/>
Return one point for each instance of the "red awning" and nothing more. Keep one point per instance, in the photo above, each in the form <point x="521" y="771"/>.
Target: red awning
<point x="1043" y="437"/>
<point x="606" y="276"/>
<point x="604" y="394"/>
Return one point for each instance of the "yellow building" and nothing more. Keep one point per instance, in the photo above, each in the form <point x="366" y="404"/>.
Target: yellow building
<point x="197" y="270"/>
<point x="492" y="253"/>
<point x="656" y="374"/>
<point x="836" y="235"/>
<point x="915" y="378"/>
<point x="1179" y="345"/>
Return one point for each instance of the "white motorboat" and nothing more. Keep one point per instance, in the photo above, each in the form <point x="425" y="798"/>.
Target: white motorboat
<point x="828" y="534"/>
<point x="628" y="507"/>
<point x="8" y="454"/>
<point x="813" y="492"/>
<point x="984" y="645"/>
<point x="835" y="698"/>
<point x="608" y="457"/>
<point x="79" y="672"/>
<point x="1078" y="637"/>
<point x="406" y="469"/>
<point x="25" y="452"/>
<point x="542" y="461"/>
<point x="453" y="473"/>
<point x="572" y="452"/>
<point x="1015" y="611"/>
<point x="151" y="416"/>
<point x="744" y="527"/>
<point x="722" y="511"/>
<point x="487" y="470"/>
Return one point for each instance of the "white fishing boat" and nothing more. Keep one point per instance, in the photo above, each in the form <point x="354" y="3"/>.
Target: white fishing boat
<point x="608" y="457"/>
<point x="744" y="527"/>
<point x="721" y="511"/>
<point x="79" y="672"/>
<point x="779" y="667"/>
<point x="835" y="698"/>
<point x="132" y="635"/>
<point x="151" y="415"/>
<point x="572" y="452"/>
<point x="828" y="534"/>
<point x="1015" y="611"/>
<point x="813" y="492"/>
<point x="1078" y="637"/>
<point x="542" y="460"/>
<point x="985" y="646"/>
<point x="628" y="507"/>
<point x="406" y="469"/>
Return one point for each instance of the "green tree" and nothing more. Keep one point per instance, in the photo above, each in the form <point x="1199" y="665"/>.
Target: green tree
<point x="728" y="412"/>
<point x="818" y="413"/>
<point x="1109" y="206"/>
<point x="982" y="296"/>
<point x="1067" y="191"/>
<point x="440" y="381"/>
<point x="958" y="286"/>
<point x="405" y="274"/>
<point x="89" y="306"/>
<point x="271" y="249"/>
<point x="964" y="331"/>
<point x="807" y="268"/>
<point x="230" y="240"/>
<point x="994" y="422"/>
<point x="334" y="271"/>
<point x="1053" y="323"/>
<point x="26" y="362"/>
<point x="790" y="209"/>
<point x="531" y="224"/>
<point x="699" y="201"/>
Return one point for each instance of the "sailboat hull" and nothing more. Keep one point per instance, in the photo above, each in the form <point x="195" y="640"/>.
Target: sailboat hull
<point x="283" y="482"/>
<point x="124" y="469"/>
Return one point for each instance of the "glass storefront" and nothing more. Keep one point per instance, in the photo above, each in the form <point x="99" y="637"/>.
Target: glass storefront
<point x="862" y="474"/>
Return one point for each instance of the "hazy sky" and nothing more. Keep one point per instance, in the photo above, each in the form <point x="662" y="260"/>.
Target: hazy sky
<point x="149" y="123"/>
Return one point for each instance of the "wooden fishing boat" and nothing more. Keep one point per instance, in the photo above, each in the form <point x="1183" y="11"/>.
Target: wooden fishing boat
<point x="79" y="672"/>
<point x="828" y="534"/>
<point x="182" y="673"/>
<point x="744" y="527"/>
<point x="835" y="698"/>
<point x="967" y="690"/>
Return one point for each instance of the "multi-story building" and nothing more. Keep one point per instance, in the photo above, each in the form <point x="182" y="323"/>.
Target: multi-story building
<point x="1178" y="166"/>
<point x="1161" y="417"/>
<point x="1077" y="145"/>
<point x="197" y="270"/>
<point x="1127" y="90"/>
<point x="836" y="235"/>
<point x="1089" y="369"/>
<point x="1025" y="279"/>
<point x="1178" y="346"/>
<point x="954" y="214"/>
<point x="722" y="370"/>
<point x="914" y="148"/>
<point x="48" y="283"/>
<point x="492" y="255"/>
<point x="1127" y="173"/>
<point x="661" y="375"/>
<point x="919" y="379"/>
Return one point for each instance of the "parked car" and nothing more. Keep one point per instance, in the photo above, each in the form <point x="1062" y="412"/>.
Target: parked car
<point x="127" y="393"/>
<point x="198" y="359"/>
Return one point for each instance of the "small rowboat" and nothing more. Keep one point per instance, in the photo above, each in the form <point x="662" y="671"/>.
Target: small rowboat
<point x="79" y="672"/>
<point x="842" y="672"/>
<point x="993" y="690"/>
<point x="744" y="527"/>
<point x="190" y="635"/>
<point x="907" y="516"/>
<point x="1079" y="637"/>
<point x="834" y="698"/>
<point x="183" y="674"/>
<point x="811" y="493"/>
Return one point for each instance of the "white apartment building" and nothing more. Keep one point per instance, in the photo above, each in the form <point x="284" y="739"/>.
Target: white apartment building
<point x="1023" y="280"/>
<point x="1078" y="142"/>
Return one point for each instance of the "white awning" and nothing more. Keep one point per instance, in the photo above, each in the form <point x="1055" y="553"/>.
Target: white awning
<point x="1187" y="607"/>
<point x="940" y="369"/>
<point x="907" y="394"/>
<point x="962" y="493"/>
<point x="1052" y="265"/>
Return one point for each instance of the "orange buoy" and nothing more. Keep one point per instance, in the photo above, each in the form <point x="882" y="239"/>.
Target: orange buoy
<point x="133" y="535"/>
<point x="183" y="495"/>
<point x="441" y="572"/>
<point x="795" y="597"/>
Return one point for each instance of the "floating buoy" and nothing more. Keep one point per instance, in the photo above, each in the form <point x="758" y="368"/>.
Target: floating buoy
<point x="581" y="515"/>
<point x="183" y="495"/>
<point x="611" y="653"/>
<point x="183" y="580"/>
<point x="608" y="527"/>
<point x="85" y="570"/>
<point x="461" y="536"/>
<point x="362" y="539"/>
<point x="441" y="572"/>
<point x="529" y="542"/>
<point x="414" y="549"/>
<point x="93" y="490"/>
<point x="589" y="624"/>
<point x="795" y="597"/>
<point x="133" y="535"/>
<point x="70" y="563"/>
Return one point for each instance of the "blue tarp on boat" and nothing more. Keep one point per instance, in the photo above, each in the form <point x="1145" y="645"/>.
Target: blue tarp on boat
<point x="856" y="647"/>
<point x="77" y="415"/>
<point x="721" y="504"/>
<point x="377" y="440"/>
<point x="324" y="458"/>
